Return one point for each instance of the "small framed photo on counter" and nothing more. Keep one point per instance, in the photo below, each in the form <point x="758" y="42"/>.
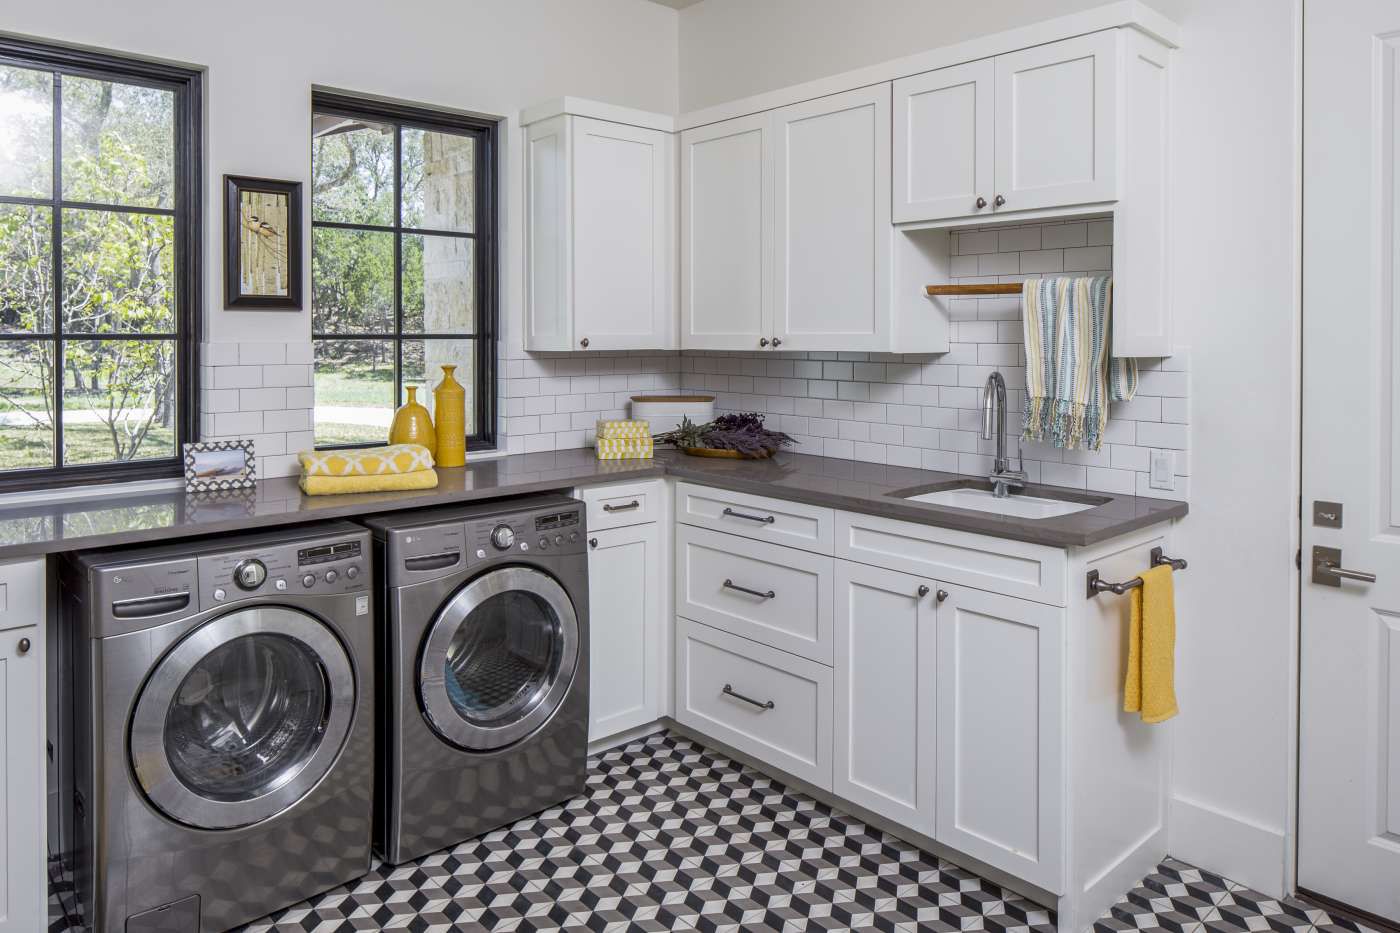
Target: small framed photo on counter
<point x="219" y="466"/>
<point x="262" y="244"/>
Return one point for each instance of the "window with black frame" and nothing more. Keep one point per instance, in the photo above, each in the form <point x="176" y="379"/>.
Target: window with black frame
<point x="403" y="259"/>
<point x="99" y="168"/>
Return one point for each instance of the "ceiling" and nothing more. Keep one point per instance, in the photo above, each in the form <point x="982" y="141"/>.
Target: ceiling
<point x="676" y="4"/>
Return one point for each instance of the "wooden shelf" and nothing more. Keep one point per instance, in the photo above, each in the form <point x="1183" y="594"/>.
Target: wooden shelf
<point x="997" y="288"/>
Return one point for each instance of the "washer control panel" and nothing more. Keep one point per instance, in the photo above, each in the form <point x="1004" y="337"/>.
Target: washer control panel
<point x="318" y="567"/>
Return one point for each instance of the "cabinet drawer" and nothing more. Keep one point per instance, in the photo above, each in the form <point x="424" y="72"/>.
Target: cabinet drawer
<point x="765" y="702"/>
<point x="22" y="593"/>
<point x="1015" y="568"/>
<point x="772" y="594"/>
<point x="621" y="504"/>
<point x="791" y="523"/>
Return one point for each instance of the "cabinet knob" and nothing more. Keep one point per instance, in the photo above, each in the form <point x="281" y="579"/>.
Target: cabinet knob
<point x="942" y="595"/>
<point x="980" y="203"/>
<point x="923" y="589"/>
<point x="763" y="341"/>
<point x="777" y="342"/>
<point x="24" y="646"/>
<point x="998" y="201"/>
<point x="592" y="542"/>
<point x="584" y="343"/>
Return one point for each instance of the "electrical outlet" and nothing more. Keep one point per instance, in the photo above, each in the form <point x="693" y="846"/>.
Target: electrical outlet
<point x="1163" y="471"/>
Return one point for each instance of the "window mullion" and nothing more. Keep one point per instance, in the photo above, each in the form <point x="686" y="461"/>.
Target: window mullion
<point x="398" y="266"/>
<point x="56" y="251"/>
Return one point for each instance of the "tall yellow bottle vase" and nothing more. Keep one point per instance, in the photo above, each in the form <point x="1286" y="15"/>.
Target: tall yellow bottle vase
<point x="450" y="404"/>
<point x="412" y="424"/>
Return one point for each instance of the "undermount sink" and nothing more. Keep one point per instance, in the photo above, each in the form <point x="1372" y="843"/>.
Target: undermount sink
<point x="971" y="496"/>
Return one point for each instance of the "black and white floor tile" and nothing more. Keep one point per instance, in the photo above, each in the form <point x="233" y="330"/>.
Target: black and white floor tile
<point x="672" y="836"/>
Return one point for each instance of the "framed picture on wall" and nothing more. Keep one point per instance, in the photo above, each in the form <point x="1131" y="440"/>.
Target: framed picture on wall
<point x="262" y="244"/>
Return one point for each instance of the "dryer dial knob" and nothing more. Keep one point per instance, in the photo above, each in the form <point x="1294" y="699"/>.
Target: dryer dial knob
<point x="502" y="537"/>
<point x="250" y="574"/>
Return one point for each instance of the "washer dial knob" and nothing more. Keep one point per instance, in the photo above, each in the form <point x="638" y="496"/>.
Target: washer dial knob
<point x="250" y="574"/>
<point x="502" y="537"/>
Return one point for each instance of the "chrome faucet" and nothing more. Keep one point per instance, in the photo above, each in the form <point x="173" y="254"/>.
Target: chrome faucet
<point x="1003" y="477"/>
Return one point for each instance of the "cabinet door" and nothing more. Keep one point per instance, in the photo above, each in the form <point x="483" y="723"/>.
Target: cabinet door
<point x="1000" y="728"/>
<point x="548" y="325"/>
<point x="943" y="158"/>
<point x="832" y="233"/>
<point x="886" y="702"/>
<point x="622" y="245"/>
<point x="1056" y="123"/>
<point x="626" y="628"/>
<point x="22" y="857"/>
<point x="727" y="235"/>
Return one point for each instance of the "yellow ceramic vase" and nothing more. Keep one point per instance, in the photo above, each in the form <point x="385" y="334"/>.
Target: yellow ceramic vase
<point x="412" y="423"/>
<point x="450" y="405"/>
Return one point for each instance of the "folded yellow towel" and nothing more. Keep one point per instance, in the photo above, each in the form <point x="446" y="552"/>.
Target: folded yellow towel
<point x="618" y="430"/>
<point x="380" y="482"/>
<point x="1150" y="685"/>
<point x="369" y="461"/>
<point x="629" y="448"/>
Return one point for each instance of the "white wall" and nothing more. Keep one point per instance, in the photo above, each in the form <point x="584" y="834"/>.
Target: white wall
<point x="490" y="57"/>
<point x="1234" y="275"/>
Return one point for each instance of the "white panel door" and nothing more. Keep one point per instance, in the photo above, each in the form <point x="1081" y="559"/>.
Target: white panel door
<point x="548" y="325"/>
<point x="622" y="183"/>
<point x="23" y="906"/>
<point x="1056" y="124"/>
<point x="1349" y="741"/>
<point x="943" y="161"/>
<point x="727" y="235"/>
<point x="886" y="701"/>
<point x="626" y="628"/>
<point x="1000" y="729"/>
<point x="832" y="232"/>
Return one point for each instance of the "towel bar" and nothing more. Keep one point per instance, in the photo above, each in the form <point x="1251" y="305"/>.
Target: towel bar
<point x="1094" y="586"/>
<point x="980" y="288"/>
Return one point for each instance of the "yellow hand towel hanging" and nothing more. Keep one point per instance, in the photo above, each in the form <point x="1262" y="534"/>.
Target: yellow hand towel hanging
<point x="1150" y="687"/>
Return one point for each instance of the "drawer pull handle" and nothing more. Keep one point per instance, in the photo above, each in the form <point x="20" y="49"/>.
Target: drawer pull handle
<point x="765" y="519"/>
<point x="730" y="691"/>
<point x="731" y="585"/>
<point x="634" y="504"/>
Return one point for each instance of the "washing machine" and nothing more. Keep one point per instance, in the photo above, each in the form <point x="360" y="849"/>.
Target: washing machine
<point x="224" y="726"/>
<point x="484" y="715"/>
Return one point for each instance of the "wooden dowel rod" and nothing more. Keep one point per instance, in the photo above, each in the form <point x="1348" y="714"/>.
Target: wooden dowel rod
<point x="999" y="288"/>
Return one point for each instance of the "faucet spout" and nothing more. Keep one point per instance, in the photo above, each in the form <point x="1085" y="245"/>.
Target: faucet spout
<point x="994" y="425"/>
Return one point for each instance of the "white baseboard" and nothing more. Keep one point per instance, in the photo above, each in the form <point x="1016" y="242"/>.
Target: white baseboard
<point x="1228" y="845"/>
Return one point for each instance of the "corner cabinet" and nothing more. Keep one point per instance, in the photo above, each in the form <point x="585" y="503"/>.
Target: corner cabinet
<point x="786" y="239"/>
<point x="599" y="239"/>
<point x="23" y="852"/>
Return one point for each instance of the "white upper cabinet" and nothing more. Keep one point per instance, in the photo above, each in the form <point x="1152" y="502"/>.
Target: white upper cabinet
<point x="1033" y="130"/>
<point x="832" y="234"/>
<point x="1055" y="124"/>
<point x="600" y="245"/>
<point x="727" y="235"/>
<point x="943" y="157"/>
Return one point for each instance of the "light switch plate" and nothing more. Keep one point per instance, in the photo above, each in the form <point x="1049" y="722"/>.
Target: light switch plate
<point x="1163" y="470"/>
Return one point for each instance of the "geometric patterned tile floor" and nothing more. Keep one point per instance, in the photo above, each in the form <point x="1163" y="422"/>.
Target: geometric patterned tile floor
<point x="673" y="836"/>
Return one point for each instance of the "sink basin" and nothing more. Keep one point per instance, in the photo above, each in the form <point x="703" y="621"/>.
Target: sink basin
<point x="967" y="496"/>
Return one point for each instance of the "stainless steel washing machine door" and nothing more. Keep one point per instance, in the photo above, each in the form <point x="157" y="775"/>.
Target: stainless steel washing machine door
<point x="242" y="717"/>
<point x="499" y="658"/>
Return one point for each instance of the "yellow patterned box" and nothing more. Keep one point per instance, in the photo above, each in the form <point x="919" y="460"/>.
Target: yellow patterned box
<point x="627" y="448"/>
<point x="623" y="430"/>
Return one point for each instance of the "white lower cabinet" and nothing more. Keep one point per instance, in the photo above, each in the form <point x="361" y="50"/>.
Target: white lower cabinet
<point x="1000" y="732"/>
<point x="626" y="633"/>
<point x="23" y="885"/>
<point x="886" y="698"/>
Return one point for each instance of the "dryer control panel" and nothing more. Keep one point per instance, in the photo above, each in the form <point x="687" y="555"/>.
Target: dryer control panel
<point x="555" y="531"/>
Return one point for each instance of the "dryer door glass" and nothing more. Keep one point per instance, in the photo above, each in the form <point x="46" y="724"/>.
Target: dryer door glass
<point x="499" y="658"/>
<point x="242" y="717"/>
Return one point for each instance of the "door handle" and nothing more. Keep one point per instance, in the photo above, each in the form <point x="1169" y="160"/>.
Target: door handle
<point x="1328" y="569"/>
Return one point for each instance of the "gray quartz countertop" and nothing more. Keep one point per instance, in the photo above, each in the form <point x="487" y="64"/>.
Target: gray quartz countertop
<point x="110" y="517"/>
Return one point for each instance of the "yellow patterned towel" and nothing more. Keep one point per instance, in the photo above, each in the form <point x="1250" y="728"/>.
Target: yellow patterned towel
<point x="622" y="430"/>
<point x="1150" y="687"/>
<point x="631" y="448"/>
<point x="381" y="482"/>
<point x="370" y="461"/>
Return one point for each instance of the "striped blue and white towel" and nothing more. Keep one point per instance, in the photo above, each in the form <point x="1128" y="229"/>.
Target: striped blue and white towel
<point x="1070" y="377"/>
